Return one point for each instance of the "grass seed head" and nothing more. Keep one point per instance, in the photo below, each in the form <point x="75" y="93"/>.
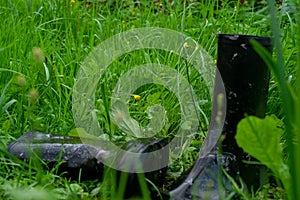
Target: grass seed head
<point x="38" y="55"/>
<point x="33" y="95"/>
<point x="21" y="81"/>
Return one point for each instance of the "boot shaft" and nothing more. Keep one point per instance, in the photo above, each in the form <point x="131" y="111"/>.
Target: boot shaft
<point x="246" y="79"/>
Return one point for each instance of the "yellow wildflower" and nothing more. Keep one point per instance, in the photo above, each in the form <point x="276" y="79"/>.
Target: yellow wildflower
<point x="72" y="1"/>
<point x="136" y="97"/>
<point x="185" y="45"/>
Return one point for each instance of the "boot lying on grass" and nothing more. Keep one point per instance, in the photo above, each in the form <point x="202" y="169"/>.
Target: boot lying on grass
<point x="52" y="149"/>
<point x="76" y="159"/>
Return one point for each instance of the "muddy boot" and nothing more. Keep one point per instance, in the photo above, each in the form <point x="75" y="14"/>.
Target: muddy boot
<point x="245" y="78"/>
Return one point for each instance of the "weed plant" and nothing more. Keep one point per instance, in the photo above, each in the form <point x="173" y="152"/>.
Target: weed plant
<point x="43" y="43"/>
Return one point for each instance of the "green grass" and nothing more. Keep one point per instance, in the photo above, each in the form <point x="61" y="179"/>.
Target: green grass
<point x="43" y="43"/>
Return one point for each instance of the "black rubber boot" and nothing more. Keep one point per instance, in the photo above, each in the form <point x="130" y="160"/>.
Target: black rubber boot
<point x="246" y="78"/>
<point x="84" y="161"/>
<point x="77" y="157"/>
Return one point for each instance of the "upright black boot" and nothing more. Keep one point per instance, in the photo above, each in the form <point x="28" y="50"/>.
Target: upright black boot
<point x="246" y="78"/>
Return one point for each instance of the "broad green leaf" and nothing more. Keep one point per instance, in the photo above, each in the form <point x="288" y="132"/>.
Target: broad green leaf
<point x="261" y="139"/>
<point x="122" y="118"/>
